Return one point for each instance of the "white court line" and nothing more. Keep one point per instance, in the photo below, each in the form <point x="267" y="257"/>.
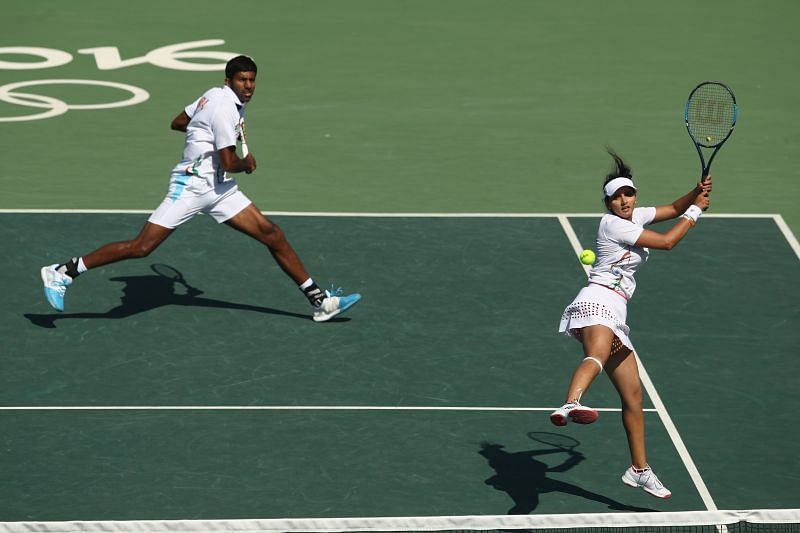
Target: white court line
<point x="787" y="233"/>
<point x="276" y="408"/>
<point x="373" y="215"/>
<point x="661" y="409"/>
<point x="573" y="240"/>
<point x="324" y="213"/>
<point x="321" y="213"/>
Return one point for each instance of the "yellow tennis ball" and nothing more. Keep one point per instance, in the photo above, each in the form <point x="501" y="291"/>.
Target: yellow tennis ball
<point x="587" y="257"/>
<point x="708" y="138"/>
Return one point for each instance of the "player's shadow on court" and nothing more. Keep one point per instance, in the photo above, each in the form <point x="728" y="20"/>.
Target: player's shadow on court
<point x="166" y="287"/>
<point x="524" y="478"/>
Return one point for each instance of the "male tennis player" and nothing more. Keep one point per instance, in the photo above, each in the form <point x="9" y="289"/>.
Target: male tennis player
<point x="598" y="314"/>
<point x="202" y="183"/>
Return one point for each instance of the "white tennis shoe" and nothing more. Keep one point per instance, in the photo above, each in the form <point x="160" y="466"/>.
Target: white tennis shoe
<point x="647" y="481"/>
<point x="580" y="414"/>
<point x="55" y="286"/>
<point x="334" y="304"/>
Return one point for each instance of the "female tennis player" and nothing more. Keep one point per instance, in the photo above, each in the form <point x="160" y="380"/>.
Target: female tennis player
<point x="597" y="315"/>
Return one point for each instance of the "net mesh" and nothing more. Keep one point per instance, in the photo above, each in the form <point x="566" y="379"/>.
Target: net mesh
<point x="710" y="114"/>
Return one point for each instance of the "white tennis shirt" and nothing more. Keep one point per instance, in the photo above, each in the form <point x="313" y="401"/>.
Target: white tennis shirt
<point x="617" y="257"/>
<point x="215" y="121"/>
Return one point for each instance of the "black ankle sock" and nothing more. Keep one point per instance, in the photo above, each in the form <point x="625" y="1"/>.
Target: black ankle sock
<point x="314" y="294"/>
<point x="70" y="268"/>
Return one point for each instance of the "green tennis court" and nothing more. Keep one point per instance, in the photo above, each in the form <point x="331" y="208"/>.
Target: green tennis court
<point x="234" y="404"/>
<point x="444" y="159"/>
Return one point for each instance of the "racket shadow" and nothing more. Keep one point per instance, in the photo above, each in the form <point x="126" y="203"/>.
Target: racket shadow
<point x="141" y="294"/>
<point x="524" y="477"/>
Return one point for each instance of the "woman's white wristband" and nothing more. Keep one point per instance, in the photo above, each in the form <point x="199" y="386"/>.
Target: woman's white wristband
<point x="692" y="214"/>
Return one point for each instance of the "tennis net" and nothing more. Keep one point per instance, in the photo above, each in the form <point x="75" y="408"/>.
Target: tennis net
<point x="750" y="521"/>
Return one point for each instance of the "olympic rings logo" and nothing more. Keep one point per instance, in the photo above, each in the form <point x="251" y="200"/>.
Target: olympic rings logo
<point x="107" y="58"/>
<point x="57" y="107"/>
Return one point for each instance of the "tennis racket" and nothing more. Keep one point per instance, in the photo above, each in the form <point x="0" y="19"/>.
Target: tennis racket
<point x="243" y="138"/>
<point x="556" y="440"/>
<point x="175" y="276"/>
<point x="710" y="118"/>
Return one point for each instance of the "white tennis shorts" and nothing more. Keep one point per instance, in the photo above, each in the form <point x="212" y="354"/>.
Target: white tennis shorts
<point x="222" y="202"/>
<point x="595" y="305"/>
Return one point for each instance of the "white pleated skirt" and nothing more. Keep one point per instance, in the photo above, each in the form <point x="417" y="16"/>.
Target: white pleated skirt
<point x="595" y="305"/>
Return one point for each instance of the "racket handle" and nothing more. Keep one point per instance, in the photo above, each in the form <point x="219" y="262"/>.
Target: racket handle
<point x="243" y="138"/>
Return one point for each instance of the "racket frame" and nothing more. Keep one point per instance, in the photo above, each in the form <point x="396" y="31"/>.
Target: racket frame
<point x="705" y="167"/>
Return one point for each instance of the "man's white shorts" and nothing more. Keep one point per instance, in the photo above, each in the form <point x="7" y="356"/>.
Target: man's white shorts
<point x="221" y="203"/>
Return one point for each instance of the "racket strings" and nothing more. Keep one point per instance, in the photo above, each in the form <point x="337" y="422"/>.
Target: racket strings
<point x="710" y="114"/>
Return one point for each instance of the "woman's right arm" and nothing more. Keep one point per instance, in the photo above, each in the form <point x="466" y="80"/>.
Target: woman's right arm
<point x="670" y="239"/>
<point x="679" y="206"/>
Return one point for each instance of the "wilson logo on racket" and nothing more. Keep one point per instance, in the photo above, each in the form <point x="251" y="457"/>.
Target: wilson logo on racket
<point x="710" y="116"/>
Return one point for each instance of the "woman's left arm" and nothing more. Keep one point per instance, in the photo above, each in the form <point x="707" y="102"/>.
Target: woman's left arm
<point x="679" y="206"/>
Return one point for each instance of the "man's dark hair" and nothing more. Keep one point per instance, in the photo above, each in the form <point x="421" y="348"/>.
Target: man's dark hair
<point x="240" y="64"/>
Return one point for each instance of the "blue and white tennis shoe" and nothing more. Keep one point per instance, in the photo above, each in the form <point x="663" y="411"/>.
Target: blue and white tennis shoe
<point x="55" y="285"/>
<point x="333" y="304"/>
